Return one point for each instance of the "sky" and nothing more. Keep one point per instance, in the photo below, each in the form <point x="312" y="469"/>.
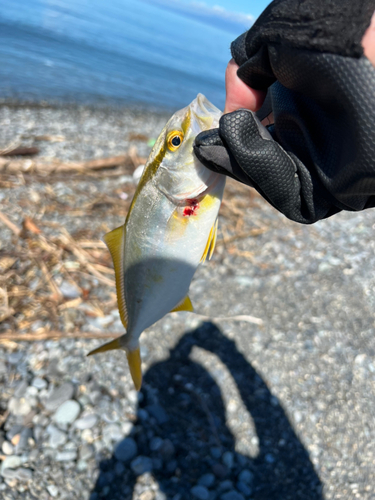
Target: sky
<point x="250" y="7"/>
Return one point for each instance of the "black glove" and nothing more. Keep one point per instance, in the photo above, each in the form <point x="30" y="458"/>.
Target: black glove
<point x="319" y="156"/>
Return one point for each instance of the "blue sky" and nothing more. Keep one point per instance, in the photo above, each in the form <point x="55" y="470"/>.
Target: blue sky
<point x="251" y="7"/>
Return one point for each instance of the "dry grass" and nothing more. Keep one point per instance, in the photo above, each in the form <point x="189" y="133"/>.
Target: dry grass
<point x="31" y="303"/>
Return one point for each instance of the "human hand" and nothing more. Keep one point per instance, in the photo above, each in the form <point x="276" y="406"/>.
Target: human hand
<point x="319" y="157"/>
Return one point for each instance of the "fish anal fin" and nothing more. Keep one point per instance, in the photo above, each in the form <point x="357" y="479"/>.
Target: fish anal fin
<point x="208" y="244"/>
<point x="184" y="305"/>
<point x="115" y="241"/>
<point x="135" y="367"/>
<point x="109" y="346"/>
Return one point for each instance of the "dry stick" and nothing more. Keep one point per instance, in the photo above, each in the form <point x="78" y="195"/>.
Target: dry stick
<point x="16" y="230"/>
<point x="53" y="287"/>
<point x="240" y="317"/>
<point x="45" y="167"/>
<point x="31" y="337"/>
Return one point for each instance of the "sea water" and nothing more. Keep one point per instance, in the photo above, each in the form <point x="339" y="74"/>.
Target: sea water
<point x="113" y="52"/>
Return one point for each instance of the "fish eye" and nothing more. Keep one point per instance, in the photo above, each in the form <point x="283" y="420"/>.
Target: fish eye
<point x="174" y="140"/>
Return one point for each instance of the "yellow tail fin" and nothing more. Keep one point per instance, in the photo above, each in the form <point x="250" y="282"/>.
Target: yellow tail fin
<point x="184" y="305"/>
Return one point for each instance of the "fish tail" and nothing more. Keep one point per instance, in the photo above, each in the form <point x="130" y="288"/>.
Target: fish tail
<point x="133" y="355"/>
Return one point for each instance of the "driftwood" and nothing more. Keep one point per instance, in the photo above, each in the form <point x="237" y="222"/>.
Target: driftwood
<point x="21" y="151"/>
<point x="45" y="167"/>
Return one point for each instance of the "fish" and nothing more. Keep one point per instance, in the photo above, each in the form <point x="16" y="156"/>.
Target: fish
<point x="170" y="229"/>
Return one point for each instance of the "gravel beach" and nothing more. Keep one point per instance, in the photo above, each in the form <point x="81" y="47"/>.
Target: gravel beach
<point x="231" y="408"/>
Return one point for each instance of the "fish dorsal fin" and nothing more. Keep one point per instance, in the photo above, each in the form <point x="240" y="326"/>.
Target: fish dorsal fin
<point x="184" y="305"/>
<point x="115" y="241"/>
<point x="210" y="245"/>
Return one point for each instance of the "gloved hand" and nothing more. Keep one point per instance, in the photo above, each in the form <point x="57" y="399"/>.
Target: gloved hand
<point x="319" y="156"/>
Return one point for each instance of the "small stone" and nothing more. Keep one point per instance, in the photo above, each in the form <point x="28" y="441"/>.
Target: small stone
<point x="244" y="488"/>
<point x="21" y="389"/>
<point x="86" y="452"/>
<point x="215" y="452"/>
<point x="9" y="473"/>
<point x="10" y="462"/>
<point x="126" y="450"/>
<point x="15" y="429"/>
<point x="200" y="492"/>
<point x="23" y="442"/>
<point x="69" y="290"/>
<point x="23" y="474"/>
<point x="158" y="412"/>
<point x="225" y="485"/>
<point x="52" y="490"/>
<point x="228" y="459"/>
<point x="16" y="439"/>
<point x="220" y="470"/>
<point x="147" y="495"/>
<point x="86" y="422"/>
<point x="119" y="469"/>
<point x="3" y="368"/>
<point x="112" y="432"/>
<point x="155" y="443"/>
<point x="39" y="383"/>
<point x="7" y="448"/>
<point x="19" y="407"/>
<point x="141" y="464"/>
<point x="15" y="357"/>
<point x="66" y="456"/>
<point x="246" y="476"/>
<point x="67" y="413"/>
<point x="58" y="396"/>
<point x="269" y="458"/>
<point x="207" y="480"/>
<point x="56" y="436"/>
<point x="82" y="465"/>
<point x="167" y="449"/>
<point x="232" y="495"/>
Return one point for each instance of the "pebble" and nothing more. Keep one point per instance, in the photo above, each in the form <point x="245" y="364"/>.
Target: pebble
<point x="15" y="357"/>
<point x="58" y="396"/>
<point x="246" y="476"/>
<point x="200" y="492"/>
<point x="56" y="436"/>
<point x="215" y="452"/>
<point x="19" y="407"/>
<point x="244" y="488"/>
<point x="39" y="383"/>
<point x="7" y="448"/>
<point x="158" y="412"/>
<point x="23" y="443"/>
<point x="67" y="413"/>
<point x="112" y="432"/>
<point x="10" y="462"/>
<point x="52" y="490"/>
<point x="87" y="451"/>
<point x="86" y="422"/>
<point x="167" y="449"/>
<point x="232" y="495"/>
<point x="126" y="450"/>
<point x="220" y="470"/>
<point x="69" y="290"/>
<point x="20" y="389"/>
<point x="207" y="480"/>
<point x="141" y="464"/>
<point x="23" y="474"/>
<point x="228" y="459"/>
<point x="66" y="456"/>
<point x="155" y="443"/>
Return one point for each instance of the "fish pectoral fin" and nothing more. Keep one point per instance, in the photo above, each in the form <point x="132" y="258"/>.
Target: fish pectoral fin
<point x="109" y="346"/>
<point x="115" y="241"/>
<point x="134" y="361"/>
<point x="184" y="305"/>
<point x="210" y="245"/>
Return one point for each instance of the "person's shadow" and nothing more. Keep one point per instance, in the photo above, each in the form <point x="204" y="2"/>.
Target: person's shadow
<point x="181" y="434"/>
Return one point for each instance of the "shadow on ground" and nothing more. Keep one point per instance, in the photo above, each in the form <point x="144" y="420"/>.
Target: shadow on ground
<point x="185" y="410"/>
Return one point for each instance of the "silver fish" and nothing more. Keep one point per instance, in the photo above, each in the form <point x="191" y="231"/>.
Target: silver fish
<point x="170" y="228"/>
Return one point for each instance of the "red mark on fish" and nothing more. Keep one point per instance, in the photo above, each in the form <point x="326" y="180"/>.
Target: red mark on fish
<point x="191" y="209"/>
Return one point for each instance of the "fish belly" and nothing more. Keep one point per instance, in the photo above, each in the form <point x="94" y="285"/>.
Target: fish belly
<point x="162" y="252"/>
